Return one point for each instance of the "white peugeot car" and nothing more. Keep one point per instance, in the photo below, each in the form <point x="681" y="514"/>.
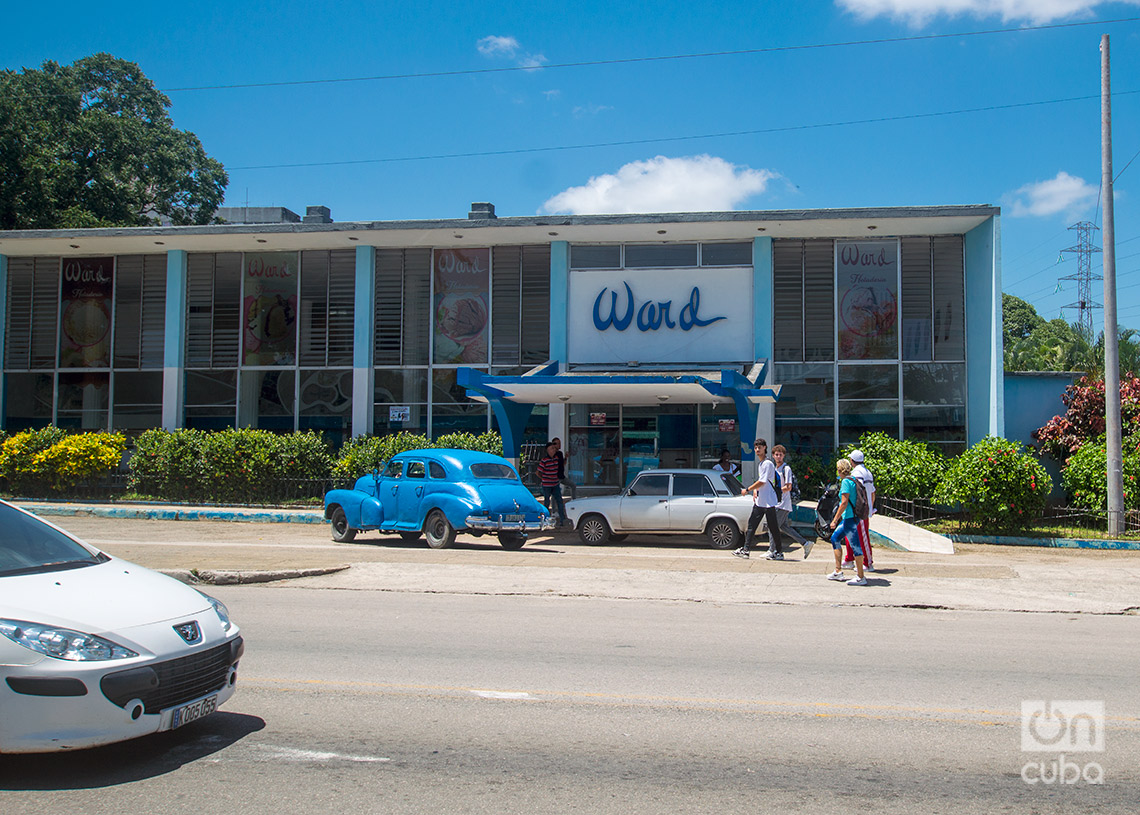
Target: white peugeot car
<point x="96" y="650"/>
<point x="680" y="502"/>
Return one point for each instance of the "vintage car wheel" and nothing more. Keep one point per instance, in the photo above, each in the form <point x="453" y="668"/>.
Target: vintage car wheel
<point x="438" y="530"/>
<point x="341" y="531"/>
<point x="512" y="540"/>
<point x="723" y="534"/>
<point x="410" y="537"/>
<point x="594" y="530"/>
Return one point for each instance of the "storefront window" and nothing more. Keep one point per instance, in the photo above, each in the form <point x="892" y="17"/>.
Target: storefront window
<point x="867" y="283"/>
<point x="269" y="308"/>
<point x="400" y="401"/>
<point x="593" y="454"/>
<point x="452" y="411"/>
<point x="868" y="401"/>
<point x="805" y="412"/>
<point x="325" y="404"/>
<point x="83" y="401"/>
<point x="934" y="405"/>
<point x="138" y="400"/>
<point x="29" y="401"/>
<point x="211" y="399"/>
<point x="267" y="400"/>
<point x="720" y="430"/>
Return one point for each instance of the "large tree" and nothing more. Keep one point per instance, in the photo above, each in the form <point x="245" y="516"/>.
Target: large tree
<point x="91" y="144"/>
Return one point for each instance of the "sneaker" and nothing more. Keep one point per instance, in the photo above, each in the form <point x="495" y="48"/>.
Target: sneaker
<point x="868" y="568"/>
<point x="807" y="548"/>
<point x="848" y="564"/>
<point x="837" y="576"/>
<point x="774" y="556"/>
<point x="857" y="581"/>
<point x="741" y="552"/>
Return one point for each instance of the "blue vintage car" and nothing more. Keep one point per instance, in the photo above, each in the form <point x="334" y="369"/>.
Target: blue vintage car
<point x="439" y="493"/>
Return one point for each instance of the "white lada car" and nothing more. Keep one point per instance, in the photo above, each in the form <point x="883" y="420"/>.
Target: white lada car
<point x="96" y="650"/>
<point x="679" y="502"/>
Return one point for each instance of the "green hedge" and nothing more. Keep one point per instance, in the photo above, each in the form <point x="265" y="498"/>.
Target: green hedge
<point x="1086" y="479"/>
<point x="49" y="461"/>
<point x="910" y="470"/>
<point x="998" y="485"/>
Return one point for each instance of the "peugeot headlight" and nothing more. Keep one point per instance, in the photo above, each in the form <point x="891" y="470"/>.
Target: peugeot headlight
<point x="223" y="612"/>
<point x="62" y="643"/>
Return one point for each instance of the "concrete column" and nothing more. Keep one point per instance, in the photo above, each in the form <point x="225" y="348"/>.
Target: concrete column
<point x="763" y="297"/>
<point x="985" y="391"/>
<point x="363" y="343"/>
<point x="174" y="341"/>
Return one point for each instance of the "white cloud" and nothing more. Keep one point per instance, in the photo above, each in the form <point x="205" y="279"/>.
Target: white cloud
<point x="498" y="46"/>
<point x="1062" y="194"/>
<point x="509" y="48"/>
<point x="582" y="111"/>
<point x="662" y="184"/>
<point x="918" y="12"/>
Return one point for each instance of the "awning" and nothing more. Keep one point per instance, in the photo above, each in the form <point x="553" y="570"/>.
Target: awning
<point x="514" y="397"/>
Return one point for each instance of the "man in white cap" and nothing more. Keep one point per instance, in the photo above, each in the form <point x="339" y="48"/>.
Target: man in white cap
<point x="861" y="474"/>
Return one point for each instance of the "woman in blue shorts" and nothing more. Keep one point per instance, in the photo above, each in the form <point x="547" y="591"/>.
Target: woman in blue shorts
<point x="846" y="526"/>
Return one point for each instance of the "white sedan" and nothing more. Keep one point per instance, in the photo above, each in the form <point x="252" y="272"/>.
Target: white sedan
<point x="96" y="650"/>
<point x="680" y="502"/>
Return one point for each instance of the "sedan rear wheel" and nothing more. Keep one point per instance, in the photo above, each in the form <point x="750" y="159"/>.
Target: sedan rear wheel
<point x="438" y="530"/>
<point x="594" y="530"/>
<point x="723" y="534"/>
<point x="341" y="531"/>
<point x="512" y="540"/>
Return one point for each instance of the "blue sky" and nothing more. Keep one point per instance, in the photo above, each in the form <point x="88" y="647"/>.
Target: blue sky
<point x="783" y="126"/>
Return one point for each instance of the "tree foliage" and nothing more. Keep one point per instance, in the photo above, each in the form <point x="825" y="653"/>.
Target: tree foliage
<point x="904" y="469"/>
<point x="91" y="144"/>
<point x="1084" y="418"/>
<point x="1035" y="344"/>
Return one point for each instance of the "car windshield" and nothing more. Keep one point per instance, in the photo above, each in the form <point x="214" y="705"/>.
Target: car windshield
<point x="489" y="469"/>
<point x="30" y="546"/>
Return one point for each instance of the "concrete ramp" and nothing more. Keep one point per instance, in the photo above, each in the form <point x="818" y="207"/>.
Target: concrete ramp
<point x="891" y="532"/>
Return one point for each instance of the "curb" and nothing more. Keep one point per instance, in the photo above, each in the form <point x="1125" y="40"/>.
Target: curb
<point x="1048" y="543"/>
<point x="296" y="516"/>
<point x="233" y="577"/>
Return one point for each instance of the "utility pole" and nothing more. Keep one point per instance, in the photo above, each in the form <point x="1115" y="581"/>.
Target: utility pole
<point x="1114" y="463"/>
<point x="1084" y="277"/>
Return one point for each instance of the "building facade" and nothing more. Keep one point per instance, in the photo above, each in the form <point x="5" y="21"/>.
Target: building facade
<point x="638" y="339"/>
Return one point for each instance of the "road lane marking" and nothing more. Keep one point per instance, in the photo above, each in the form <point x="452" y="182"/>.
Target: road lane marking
<point x="502" y="694"/>
<point x="297" y="754"/>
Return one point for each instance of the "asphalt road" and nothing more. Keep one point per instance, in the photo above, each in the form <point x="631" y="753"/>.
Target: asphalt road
<point x="372" y="701"/>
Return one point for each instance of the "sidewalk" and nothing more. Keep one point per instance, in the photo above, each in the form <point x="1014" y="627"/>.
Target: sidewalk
<point x="973" y="577"/>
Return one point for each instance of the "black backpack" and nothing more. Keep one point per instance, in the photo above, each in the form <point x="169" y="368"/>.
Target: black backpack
<point x="778" y="485"/>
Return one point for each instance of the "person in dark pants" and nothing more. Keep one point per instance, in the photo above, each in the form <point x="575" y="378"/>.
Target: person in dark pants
<point x="562" y="478"/>
<point x="551" y="489"/>
<point x="764" y="502"/>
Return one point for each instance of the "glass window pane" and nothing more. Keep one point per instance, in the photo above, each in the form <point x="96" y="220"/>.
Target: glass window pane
<point x="666" y="255"/>
<point x="726" y="254"/>
<point x="406" y="386"/>
<point x="868" y="381"/>
<point x="937" y="384"/>
<point x="691" y="485"/>
<point x="867" y="416"/>
<point x="326" y="404"/>
<point x="211" y="399"/>
<point x="83" y="401"/>
<point x="416" y="469"/>
<point x="28" y="401"/>
<point x="267" y="400"/>
<point x="138" y="400"/>
<point x="269" y="308"/>
<point x="866" y="275"/>
<point x="650" y="485"/>
<point x="469" y="418"/>
<point x="595" y="257"/>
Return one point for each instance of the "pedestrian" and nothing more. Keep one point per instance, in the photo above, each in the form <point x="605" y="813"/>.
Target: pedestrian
<point x="726" y="464"/>
<point x="861" y="474"/>
<point x="562" y="477"/>
<point x="548" y="477"/>
<point x="784" y="508"/>
<point x="845" y="525"/>
<point x="764" y="502"/>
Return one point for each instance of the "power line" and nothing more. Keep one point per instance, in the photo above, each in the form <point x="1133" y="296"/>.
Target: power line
<point x="666" y="139"/>
<point x="634" y="60"/>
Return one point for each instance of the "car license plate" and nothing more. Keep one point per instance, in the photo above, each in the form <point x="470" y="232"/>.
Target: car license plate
<point x="194" y="711"/>
<point x="512" y="519"/>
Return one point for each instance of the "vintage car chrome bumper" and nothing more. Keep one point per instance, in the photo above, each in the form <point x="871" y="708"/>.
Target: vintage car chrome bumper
<point x="507" y="523"/>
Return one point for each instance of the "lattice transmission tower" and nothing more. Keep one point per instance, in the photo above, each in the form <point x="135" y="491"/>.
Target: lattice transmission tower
<point x="1084" y="277"/>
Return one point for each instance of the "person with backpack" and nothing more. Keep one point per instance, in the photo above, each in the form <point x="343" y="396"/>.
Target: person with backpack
<point x="863" y="476"/>
<point x="789" y="494"/>
<point x="764" y="500"/>
<point x="845" y="523"/>
<point x="551" y="488"/>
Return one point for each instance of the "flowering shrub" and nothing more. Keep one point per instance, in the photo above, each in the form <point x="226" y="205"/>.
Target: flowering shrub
<point x="906" y="469"/>
<point x="998" y="486"/>
<point x="17" y="459"/>
<point x="1086" y="480"/>
<point x="1084" y="418"/>
<point x="80" y="457"/>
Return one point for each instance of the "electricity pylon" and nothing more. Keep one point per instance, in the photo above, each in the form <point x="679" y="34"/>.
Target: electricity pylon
<point x="1084" y="277"/>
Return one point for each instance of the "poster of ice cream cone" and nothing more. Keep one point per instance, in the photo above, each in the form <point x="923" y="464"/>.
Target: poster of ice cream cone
<point x="462" y="280"/>
<point x="867" y="281"/>
<point x="269" y="309"/>
<point x="86" y="296"/>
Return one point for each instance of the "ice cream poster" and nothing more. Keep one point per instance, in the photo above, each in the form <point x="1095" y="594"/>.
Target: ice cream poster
<point x="85" y="307"/>
<point x="867" y="280"/>
<point x="462" y="280"/>
<point x="269" y="309"/>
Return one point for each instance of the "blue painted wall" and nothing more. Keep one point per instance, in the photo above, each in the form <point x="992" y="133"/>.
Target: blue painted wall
<point x="985" y="413"/>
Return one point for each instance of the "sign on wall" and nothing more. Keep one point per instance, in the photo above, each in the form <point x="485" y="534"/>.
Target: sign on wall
<point x="85" y="326"/>
<point x="269" y="309"/>
<point x="660" y="316"/>
<point x="867" y="280"/>
<point x="462" y="281"/>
